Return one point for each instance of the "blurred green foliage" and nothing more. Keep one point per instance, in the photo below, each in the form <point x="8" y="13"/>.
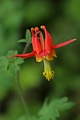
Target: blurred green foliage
<point x="62" y="20"/>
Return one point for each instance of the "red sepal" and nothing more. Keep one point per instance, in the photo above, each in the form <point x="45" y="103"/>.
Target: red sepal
<point x="28" y="55"/>
<point x="64" y="43"/>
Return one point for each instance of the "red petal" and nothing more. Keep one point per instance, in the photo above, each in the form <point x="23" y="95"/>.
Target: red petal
<point x="28" y="55"/>
<point x="44" y="53"/>
<point x="33" y="38"/>
<point x="35" y="42"/>
<point x="38" y="47"/>
<point x="48" y="39"/>
<point x="64" y="43"/>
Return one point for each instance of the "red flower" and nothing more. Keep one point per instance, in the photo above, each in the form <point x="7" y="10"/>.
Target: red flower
<point x="43" y="49"/>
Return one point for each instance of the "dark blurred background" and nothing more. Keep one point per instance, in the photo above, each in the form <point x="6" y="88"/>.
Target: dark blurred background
<point x="62" y="19"/>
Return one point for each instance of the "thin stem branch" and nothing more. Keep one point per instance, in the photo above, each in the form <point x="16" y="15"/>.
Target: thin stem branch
<point x="19" y="85"/>
<point x="27" y="45"/>
<point x="21" y="96"/>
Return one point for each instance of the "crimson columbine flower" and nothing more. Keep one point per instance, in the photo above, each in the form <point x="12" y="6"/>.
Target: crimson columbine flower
<point x="43" y="49"/>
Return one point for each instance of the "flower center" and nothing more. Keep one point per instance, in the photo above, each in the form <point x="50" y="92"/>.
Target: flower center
<point x="48" y="72"/>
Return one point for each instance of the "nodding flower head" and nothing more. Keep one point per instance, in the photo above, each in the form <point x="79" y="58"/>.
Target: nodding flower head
<point x="43" y="49"/>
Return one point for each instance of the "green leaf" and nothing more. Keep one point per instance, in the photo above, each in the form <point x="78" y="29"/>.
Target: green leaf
<point x="19" y="61"/>
<point x="28" y="35"/>
<point x="22" y="40"/>
<point x="3" y="63"/>
<point x="11" y="52"/>
<point x="11" y="64"/>
<point x="51" y="110"/>
<point x="14" y="62"/>
<point x="14" y="68"/>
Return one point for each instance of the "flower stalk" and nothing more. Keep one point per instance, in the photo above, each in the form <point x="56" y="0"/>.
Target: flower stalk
<point x="20" y="88"/>
<point x="22" y="97"/>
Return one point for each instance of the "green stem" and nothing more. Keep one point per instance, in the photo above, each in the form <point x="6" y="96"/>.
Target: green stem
<point x="21" y="96"/>
<point x="19" y="85"/>
<point x="27" y="45"/>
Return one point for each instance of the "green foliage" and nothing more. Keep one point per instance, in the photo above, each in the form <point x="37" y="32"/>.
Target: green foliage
<point x="11" y="64"/>
<point x="22" y="40"/>
<point x="28" y="37"/>
<point x="52" y="110"/>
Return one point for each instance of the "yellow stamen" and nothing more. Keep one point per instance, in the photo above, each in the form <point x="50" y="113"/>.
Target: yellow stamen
<point x="48" y="72"/>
